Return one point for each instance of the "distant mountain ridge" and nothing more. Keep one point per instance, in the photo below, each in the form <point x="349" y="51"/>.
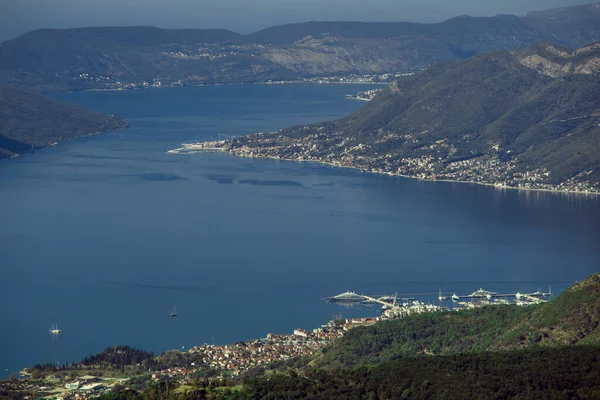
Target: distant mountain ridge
<point x="29" y="121"/>
<point x="528" y="118"/>
<point x="124" y="57"/>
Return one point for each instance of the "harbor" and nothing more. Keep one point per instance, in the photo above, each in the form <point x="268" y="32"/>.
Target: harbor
<point x="402" y="305"/>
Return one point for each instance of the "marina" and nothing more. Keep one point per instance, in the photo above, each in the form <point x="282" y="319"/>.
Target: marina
<point x="401" y="305"/>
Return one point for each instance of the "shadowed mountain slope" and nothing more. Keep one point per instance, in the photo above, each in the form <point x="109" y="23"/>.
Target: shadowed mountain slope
<point x="29" y="120"/>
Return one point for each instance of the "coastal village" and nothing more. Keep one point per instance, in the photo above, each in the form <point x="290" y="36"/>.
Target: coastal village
<point x="223" y="360"/>
<point x="242" y="356"/>
<point x="432" y="164"/>
<point x="101" y="82"/>
<point x="365" y="95"/>
<point x="210" y="361"/>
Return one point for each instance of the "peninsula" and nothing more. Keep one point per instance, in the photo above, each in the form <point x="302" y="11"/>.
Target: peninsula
<point x="525" y="119"/>
<point x="29" y="121"/>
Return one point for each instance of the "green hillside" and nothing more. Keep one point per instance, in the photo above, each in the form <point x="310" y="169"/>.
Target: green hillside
<point x="563" y="373"/>
<point x="571" y="318"/>
<point x="548" y="351"/>
<point x="528" y="118"/>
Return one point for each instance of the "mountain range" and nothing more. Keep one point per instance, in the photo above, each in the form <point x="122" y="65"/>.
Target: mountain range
<point x="53" y="60"/>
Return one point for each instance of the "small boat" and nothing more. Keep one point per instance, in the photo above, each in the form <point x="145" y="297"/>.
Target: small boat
<point x="54" y="330"/>
<point x="174" y="312"/>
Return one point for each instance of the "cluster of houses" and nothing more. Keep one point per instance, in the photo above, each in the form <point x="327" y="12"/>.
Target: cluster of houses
<point x="239" y="357"/>
<point x="172" y="373"/>
<point x="233" y="359"/>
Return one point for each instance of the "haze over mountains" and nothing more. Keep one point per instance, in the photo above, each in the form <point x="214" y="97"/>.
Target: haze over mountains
<point x="94" y="58"/>
<point x="21" y="16"/>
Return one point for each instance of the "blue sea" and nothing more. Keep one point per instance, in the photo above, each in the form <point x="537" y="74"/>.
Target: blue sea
<point x="104" y="235"/>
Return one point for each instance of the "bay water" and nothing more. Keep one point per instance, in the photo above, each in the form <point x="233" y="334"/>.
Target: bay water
<point x="105" y="235"/>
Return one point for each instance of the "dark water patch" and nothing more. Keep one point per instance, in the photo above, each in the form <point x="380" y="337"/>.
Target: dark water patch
<point x="156" y="177"/>
<point x="381" y="218"/>
<point x="129" y="284"/>
<point x="93" y="156"/>
<point x="245" y="119"/>
<point x="79" y="165"/>
<point x="221" y="165"/>
<point x="303" y="197"/>
<point x="261" y="182"/>
<point x="451" y="241"/>
<point x="159" y="287"/>
<point x="136" y="159"/>
<point x="501" y="241"/>
<point x="222" y="179"/>
<point x="323" y="184"/>
<point x="360" y="186"/>
<point x="252" y="167"/>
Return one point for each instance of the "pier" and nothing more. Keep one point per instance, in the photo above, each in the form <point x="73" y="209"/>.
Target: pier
<point x="393" y="306"/>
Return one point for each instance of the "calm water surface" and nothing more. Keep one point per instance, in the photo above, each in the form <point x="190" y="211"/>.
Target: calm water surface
<point x="104" y="235"/>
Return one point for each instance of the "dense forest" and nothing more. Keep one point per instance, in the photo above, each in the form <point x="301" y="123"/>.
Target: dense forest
<point x="556" y="373"/>
<point x="118" y="356"/>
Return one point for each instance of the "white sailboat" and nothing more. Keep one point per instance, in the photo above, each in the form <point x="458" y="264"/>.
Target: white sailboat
<point x="174" y="312"/>
<point x="54" y="330"/>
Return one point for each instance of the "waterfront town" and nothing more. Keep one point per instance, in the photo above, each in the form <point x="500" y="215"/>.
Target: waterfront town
<point x="210" y="361"/>
<point x="242" y="356"/>
<point x="219" y="360"/>
<point x="365" y="95"/>
<point x="99" y="83"/>
<point x="432" y="161"/>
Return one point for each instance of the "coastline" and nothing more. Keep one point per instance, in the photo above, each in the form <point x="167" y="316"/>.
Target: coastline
<point x="185" y="150"/>
<point x="233" y="84"/>
<point x="17" y="155"/>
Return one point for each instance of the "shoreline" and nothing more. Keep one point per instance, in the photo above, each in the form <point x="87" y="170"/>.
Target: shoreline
<point x="225" y="84"/>
<point x="330" y="164"/>
<point x="18" y="155"/>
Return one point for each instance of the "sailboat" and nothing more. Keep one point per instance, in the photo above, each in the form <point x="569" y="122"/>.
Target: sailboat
<point x="174" y="312"/>
<point x="54" y="330"/>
